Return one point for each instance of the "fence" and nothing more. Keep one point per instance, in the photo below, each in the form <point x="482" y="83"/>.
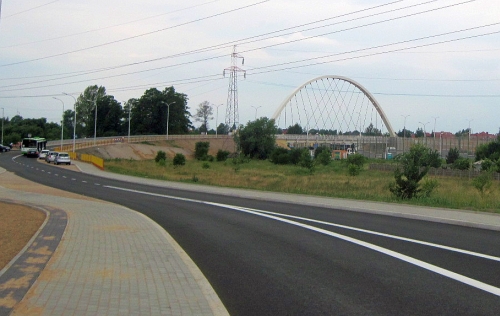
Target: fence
<point x="470" y="174"/>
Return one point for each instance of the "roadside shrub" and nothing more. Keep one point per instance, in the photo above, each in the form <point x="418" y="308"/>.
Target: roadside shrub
<point x="462" y="164"/>
<point x="210" y="158"/>
<point x="162" y="163"/>
<point x="179" y="160"/>
<point x="324" y="157"/>
<point x="482" y="182"/>
<point x="487" y="164"/>
<point x="409" y="172"/>
<point x="295" y="154"/>
<point x="453" y="154"/>
<point x="428" y="186"/>
<point x="222" y="155"/>
<point x="201" y="150"/>
<point x="280" y="156"/>
<point x="433" y="159"/>
<point x="353" y="170"/>
<point x="160" y="155"/>
<point x="306" y="161"/>
<point x="356" y="159"/>
<point x="320" y="149"/>
<point x="205" y="165"/>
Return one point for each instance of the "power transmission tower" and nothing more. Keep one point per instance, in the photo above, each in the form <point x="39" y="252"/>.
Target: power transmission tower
<point x="232" y="114"/>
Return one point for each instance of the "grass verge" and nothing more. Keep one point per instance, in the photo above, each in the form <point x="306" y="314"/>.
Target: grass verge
<point x="330" y="181"/>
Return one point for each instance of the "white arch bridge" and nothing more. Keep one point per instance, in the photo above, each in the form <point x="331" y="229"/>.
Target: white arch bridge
<point x="338" y="111"/>
<point x="333" y="105"/>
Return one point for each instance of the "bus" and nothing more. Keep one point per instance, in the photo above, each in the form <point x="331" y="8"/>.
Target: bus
<point x="33" y="143"/>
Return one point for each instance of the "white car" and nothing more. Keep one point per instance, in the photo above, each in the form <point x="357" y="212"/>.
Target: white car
<point x="43" y="154"/>
<point x="62" y="158"/>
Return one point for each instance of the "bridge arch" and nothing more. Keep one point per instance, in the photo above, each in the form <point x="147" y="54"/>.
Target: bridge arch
<point x="344" y="96"/>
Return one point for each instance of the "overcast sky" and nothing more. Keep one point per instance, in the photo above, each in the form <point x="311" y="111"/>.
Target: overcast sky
<point x="436" y="61"/>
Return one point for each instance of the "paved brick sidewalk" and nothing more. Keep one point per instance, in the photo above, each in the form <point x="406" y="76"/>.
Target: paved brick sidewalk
<point x="112" y="261"/>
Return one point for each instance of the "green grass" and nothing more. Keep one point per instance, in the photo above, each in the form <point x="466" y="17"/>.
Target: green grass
<point x="330" y="181"/>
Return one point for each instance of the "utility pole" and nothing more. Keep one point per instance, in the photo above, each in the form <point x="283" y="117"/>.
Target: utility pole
<point x="74" y="121"/>
<point x="232" y="112"/>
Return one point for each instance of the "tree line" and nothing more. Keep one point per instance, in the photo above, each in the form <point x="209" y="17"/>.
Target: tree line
<point x="97" y="111"/>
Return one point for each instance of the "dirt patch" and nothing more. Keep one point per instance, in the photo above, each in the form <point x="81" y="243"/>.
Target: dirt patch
<point x="148" y="150"/>
<point x="18" y="223"/>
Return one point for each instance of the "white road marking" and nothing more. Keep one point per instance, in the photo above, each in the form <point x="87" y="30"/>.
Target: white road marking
<point x="447" y="273"/>
<point x="471" y="253"/>
<point x="84" y="181"/>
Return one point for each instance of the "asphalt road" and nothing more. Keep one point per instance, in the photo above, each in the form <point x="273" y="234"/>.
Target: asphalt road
<point x="308" y="260"/>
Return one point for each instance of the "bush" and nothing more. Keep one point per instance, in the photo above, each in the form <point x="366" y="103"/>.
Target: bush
<point x="453" y="154"/>
<point x="179" y="160"/>
<point x="462" y="164"/>
<point x="205" y="165"/>
<point x="353" y="170"/>
<point x="356" y="159"/>
<point x="201" y="150"/>
<point x="160" y="155"/>
<point x="162" y="163"/>
<point x="324" y="157"/>
<point x="222" y="155"/>
<point x="409" y="172"/>
<point x="483" y="182"/>
<point x="295" y="154"/>
<point x="428" y="186"/>
<point x="306" y="161"/>
<point x="280" y="156"/>
<point x="433" y="159"/>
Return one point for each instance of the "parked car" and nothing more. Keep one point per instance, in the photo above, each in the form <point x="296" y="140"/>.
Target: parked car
<point x="43" y="154"/>
<point x="4" y="148"/>
<point x="62" y="158"/>
<point x="51" y="155"/>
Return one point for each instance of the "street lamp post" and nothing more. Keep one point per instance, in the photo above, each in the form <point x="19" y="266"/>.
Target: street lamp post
<point x="468" y="140"/>
<point x="74" y="121"/>
<point x="217" y="120"/>
<point x="62" y="123"/>
<point x="404" y="131"/>
<point x="256" y="108"/>
<point x="434" y="132"/>
<point x="168" y="114"/>
<point x="425" y="133"/>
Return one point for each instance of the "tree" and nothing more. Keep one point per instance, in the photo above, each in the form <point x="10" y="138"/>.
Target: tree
<point x="257" y="139"/>
<point x="86" y="110"/>
<point x="489" y="151"/>
<point x="201" y="150"/>
<point x="295" y="130"/>
<point x="410" y="170"/>
<point x="280" y="156"/>
<point x="453" y="154"/>
<point x="154" y="107"/>
<point x="372" y="131"/>
<point x="204" y="114"/>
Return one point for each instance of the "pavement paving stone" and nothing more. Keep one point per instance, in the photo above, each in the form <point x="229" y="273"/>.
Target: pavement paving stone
<point x="110" y="261"/>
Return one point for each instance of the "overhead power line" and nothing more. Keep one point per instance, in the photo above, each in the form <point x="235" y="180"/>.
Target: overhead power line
<point x="135" y="36"/>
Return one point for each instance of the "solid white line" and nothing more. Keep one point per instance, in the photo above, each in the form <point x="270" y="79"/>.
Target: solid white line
<point x="415" y="241"/>
<point x="447" y="273"/>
